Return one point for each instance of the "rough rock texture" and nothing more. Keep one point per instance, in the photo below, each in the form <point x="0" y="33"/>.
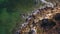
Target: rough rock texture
<point x="43" y="21"/>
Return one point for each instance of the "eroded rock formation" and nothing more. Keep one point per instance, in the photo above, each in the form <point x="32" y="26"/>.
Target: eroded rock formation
<point x="43" y="21"/>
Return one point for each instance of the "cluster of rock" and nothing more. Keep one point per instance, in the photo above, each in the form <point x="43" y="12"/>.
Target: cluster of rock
<point x="42" y="21"/>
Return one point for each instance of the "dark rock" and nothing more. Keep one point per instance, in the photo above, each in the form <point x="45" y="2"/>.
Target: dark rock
<point x="58" y="30"/>
<point x="31" y="32"/>
<point x="46" y="24"/>
<point x="57" y="17"/>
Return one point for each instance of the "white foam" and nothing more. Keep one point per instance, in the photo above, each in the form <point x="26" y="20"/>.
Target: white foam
<point x="48" y="4"/>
